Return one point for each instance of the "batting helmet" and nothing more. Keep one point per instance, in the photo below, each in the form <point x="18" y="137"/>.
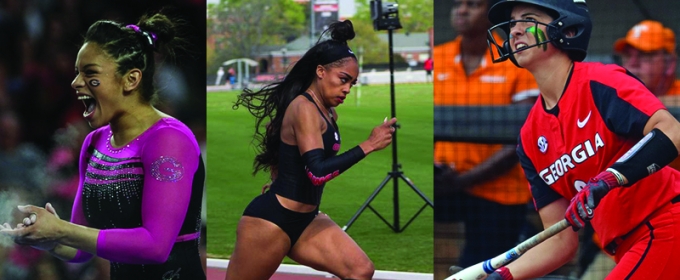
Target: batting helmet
<point x="568" y="15"/>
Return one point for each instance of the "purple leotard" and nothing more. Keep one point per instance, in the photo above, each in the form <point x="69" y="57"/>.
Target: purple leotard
<point x="146" y="199"/>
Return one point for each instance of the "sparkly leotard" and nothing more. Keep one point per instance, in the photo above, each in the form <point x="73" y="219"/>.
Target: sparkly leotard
<point x="146" y="199"/>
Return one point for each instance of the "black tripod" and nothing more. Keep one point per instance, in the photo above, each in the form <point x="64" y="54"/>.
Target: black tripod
<point x="396" y="172"/>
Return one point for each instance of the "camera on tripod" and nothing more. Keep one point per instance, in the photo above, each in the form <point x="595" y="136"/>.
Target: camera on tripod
<point x="385" y="15"/>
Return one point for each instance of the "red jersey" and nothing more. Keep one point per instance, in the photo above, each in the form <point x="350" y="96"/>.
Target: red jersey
<point x="429" y="64"/>
<point x="600" y="116"/>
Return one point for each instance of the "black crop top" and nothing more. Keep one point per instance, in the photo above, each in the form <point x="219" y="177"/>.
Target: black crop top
<point x="292" y="180"/>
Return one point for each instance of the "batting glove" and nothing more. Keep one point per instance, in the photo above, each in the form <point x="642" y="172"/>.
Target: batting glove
<point x="502" y="273"/>
<point x="582" y="205"/>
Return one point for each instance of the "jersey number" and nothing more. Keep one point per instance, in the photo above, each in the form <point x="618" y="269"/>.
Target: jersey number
<point x="578" y="184"/>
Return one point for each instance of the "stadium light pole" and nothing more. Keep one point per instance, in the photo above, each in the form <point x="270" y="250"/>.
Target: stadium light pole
<point x="284" y="59"/>
<point x="361" y="69"/>
<point x="311" y="29"/>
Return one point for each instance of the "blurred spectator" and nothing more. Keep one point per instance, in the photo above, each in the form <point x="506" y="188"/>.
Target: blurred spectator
<point x="428" y="66"/>
<point x="62" y="166"/>
<point x="481" y="185"/>
<point x="648" y="51"/>
<point x="22" y="164"/>
<point x="231" y="76"/>
<point x="48" y="268"/>
<point x="220" y="74"/>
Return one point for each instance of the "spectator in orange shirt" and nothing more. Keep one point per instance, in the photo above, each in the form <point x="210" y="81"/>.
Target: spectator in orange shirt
<point x="481" y="185"/>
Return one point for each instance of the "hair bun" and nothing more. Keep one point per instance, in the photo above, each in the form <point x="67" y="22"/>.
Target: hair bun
<point x="160" y="25"/>
<point x="342" y="31"/>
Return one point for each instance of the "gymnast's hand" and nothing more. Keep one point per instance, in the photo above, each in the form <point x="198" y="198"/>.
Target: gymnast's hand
<point x="41" y="228"/>
<point x="380" y="137"/>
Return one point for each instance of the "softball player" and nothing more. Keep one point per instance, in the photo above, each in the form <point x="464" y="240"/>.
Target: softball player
<point x="594" y="146"/>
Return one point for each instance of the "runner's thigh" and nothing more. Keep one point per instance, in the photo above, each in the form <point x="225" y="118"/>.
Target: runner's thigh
<point x="260" y="247"/>
<point x="325" y="246"/>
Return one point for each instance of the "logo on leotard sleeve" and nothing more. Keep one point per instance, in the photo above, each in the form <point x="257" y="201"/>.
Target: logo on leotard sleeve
<point x="167" y="169"/>
<point x="337" y="138"/>
<point x="542" y="144"/>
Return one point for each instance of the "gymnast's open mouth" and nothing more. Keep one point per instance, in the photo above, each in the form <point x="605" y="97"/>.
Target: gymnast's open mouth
<point x="89" y="102"/>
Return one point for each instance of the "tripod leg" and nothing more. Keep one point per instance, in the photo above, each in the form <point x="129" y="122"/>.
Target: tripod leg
<point x="421" y="194"/>
<point x="368" y="201"/>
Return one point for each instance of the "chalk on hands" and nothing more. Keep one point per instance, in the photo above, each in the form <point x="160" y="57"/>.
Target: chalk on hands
<point x="30" y="219"/>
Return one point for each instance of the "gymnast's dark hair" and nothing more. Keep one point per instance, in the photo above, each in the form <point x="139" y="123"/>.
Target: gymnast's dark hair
<point x="133" y="46"/>
<point x="269" y="104"/>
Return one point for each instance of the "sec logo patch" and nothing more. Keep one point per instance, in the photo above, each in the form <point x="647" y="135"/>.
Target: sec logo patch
<point x="542" y="144"/>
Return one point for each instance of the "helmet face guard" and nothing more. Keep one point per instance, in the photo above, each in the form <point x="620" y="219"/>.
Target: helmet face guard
<point x="504" y="50"/>
<point x="569" y="31"/>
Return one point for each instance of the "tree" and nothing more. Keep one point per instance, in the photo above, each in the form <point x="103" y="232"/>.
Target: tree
<point x="374" y="49"/>
<point x="240" y="28"/>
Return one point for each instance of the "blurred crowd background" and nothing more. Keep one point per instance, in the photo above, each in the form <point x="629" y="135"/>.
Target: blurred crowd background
<point x="41" y="123"/>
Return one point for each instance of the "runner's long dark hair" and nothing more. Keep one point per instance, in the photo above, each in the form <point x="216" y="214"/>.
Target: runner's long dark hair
<point x="269" y="104"/>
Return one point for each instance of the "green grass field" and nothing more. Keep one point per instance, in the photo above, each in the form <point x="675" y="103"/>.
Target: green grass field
<point x="231" y="186"/>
